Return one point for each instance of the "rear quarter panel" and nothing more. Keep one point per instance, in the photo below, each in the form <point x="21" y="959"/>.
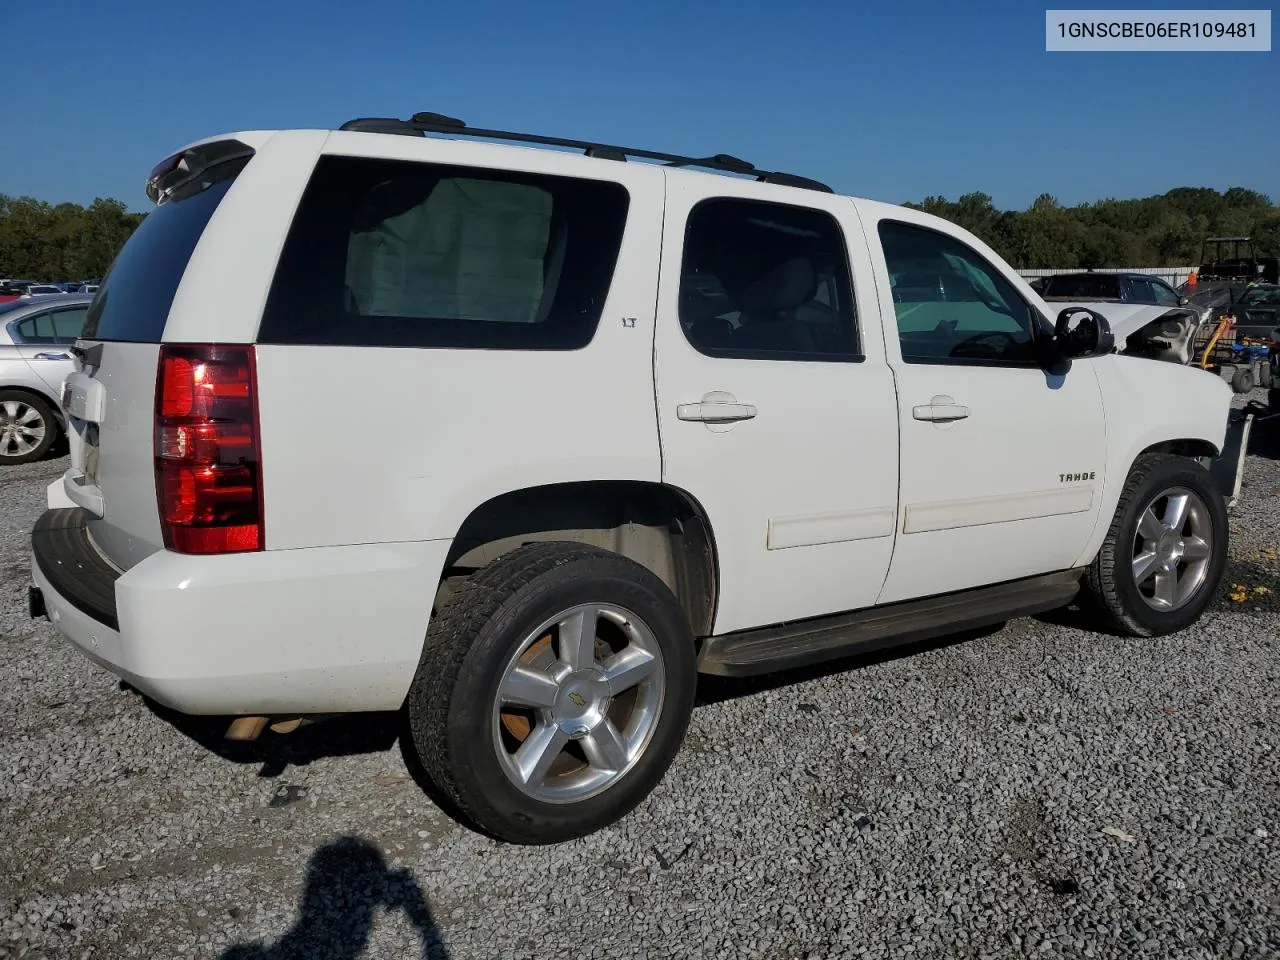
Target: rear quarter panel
<point x="384" y="444"/>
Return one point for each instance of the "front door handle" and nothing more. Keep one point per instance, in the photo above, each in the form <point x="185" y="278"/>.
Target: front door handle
<point x="717" y="407"/>
<point x="940" y="410"/>
<point x="51" y="356"/>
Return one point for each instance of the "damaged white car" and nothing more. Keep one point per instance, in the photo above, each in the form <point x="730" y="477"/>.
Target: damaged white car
<point x="1156" y="332"/>
<point x="1148" y="317"/>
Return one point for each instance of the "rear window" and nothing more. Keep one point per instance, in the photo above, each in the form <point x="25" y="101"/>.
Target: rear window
<point x="133" y="302"/>
<point x="1083" y="287"/>
<point x="402" y="254"/>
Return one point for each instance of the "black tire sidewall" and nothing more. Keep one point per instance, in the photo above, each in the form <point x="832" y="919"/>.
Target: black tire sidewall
<point x="486" y="790"/>
<point x="1175" y="474"/>
<point x="51" y="431"/>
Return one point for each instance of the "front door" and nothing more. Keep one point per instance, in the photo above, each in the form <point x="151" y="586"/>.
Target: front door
<point x="775" y="403"/>
<point x="1002" y="461"/>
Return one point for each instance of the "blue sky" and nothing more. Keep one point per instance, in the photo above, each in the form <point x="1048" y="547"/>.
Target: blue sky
<point x="894" y="101"/>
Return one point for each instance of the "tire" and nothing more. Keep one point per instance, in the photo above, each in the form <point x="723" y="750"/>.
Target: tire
<point x="1112" y="587"/>
<point x="1265" y="376"/>
<point x="1242" y="380"/>
<point x="467" y="737"/>
<point x="28" y="427"/>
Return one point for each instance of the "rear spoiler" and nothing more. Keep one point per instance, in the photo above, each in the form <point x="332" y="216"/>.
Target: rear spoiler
<point x="186" y="165"/>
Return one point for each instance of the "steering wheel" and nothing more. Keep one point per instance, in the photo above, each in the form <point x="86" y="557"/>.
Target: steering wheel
<point x="991" y="345"/>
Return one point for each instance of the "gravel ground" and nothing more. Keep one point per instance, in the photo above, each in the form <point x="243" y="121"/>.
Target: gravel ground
<point x="1040" y="790"/>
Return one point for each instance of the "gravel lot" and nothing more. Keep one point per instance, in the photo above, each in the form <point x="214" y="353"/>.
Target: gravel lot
<point x="1037" y="791"/>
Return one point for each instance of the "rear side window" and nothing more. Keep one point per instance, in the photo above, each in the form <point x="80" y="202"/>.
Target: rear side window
<point x="57" y="326"/>
<point x="766" y="281"/>
<point x="134" y="300"/>
<point x="402" y="254"/>
<point x="1088" y="287"/>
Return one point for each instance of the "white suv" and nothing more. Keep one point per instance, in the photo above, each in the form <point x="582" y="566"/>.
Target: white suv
<point x="521" y="440"/>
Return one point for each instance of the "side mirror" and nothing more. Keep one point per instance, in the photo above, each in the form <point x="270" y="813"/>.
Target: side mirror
<point x="1080" y="332"/>
<point x="1183" y="301"/>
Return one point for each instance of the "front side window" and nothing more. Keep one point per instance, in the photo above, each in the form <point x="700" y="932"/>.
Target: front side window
<point x="766" y="281"/>
<point x="951" y="305"/>
<point x="396" y="253"/>
<point x="1164" y="295"/>
<point x="1140" y="290"/>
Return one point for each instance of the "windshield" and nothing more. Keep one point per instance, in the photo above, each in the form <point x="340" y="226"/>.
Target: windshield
<point x="1256" y="297"/>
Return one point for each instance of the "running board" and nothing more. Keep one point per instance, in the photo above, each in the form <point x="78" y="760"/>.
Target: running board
<point x="798" y="644"/>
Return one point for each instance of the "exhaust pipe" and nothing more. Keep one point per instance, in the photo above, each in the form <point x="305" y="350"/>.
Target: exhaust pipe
<point x="250" y="728"/>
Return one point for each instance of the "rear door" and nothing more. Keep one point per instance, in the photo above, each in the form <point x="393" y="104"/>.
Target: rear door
<point x="775" y="404"/>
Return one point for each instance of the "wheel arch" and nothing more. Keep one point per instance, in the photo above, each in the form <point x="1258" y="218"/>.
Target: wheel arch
<point x="1178" y="443"/>
<point x="1194" y="448"/>
<point x="661" y="527"/>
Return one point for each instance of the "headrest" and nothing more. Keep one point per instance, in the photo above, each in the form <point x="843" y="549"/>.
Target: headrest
<point x="785" y="287"/>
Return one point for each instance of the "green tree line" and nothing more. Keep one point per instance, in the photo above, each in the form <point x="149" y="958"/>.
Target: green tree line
<point x="1158" y="231"/>
<point x="66" y="241"/>
<point x="62" y="242"/>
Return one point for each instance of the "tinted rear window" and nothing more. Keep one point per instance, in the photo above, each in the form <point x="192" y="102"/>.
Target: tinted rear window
<point x="403" y="254"/>
<point x="1097" y="285"/>
<point x="132" y="304"/>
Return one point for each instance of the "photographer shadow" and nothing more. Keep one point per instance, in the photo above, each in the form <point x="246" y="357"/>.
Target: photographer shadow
<point x="348" y="882"/>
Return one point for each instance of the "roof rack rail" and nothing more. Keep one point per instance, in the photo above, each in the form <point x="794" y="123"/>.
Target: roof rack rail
<point x="420" y="124"/>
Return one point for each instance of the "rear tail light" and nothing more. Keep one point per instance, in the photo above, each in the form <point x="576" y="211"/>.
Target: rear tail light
<point x="208" y="470"/>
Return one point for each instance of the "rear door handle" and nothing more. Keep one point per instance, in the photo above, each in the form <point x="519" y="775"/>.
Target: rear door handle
<point x="715" y="411"/>
<point x="941" y="410"/>
<point x="716" y="407"/>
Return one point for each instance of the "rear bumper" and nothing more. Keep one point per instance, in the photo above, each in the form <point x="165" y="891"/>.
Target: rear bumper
<point x="322" y="630"/>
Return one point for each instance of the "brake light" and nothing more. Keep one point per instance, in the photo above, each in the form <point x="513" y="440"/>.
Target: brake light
<point x="208" y="469"/>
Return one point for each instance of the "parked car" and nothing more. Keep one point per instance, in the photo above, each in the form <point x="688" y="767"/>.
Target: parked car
<point x="35" y="340"/>
<point x="44" y="290"/>
<point x="1149" y="318"/>
<point x="612" y="424"/>
<point x="1257" y="312"/>
<point x="13" y="289"/>
<point x="1112" y="287"/>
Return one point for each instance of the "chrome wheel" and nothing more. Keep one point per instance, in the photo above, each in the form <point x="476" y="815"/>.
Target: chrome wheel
<point x="22" y="428"/>
<point x="1172" y="548"/>
<point x="578" y="703"/>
